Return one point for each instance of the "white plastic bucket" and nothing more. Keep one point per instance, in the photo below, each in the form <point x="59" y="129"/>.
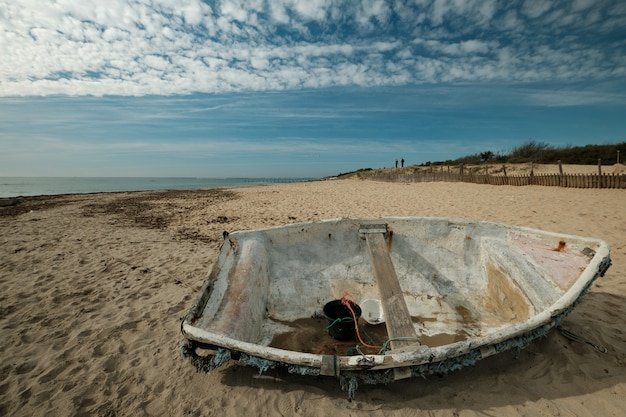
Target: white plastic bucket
<point x="372" y="311"/>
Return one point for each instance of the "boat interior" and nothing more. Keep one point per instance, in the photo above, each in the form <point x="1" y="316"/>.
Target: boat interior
<point x="438" y="282"/>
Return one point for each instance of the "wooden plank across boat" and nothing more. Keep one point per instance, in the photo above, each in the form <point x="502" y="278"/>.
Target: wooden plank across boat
<point x="452" y="292"/>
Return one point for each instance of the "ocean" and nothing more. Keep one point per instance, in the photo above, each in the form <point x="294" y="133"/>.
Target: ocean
<point x="35" y="186"/>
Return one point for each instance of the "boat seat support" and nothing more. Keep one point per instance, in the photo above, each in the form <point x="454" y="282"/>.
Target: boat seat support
<point x="400" y="329"/>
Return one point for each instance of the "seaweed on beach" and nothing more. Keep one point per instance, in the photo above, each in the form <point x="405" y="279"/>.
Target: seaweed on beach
<point x="22" y="205"/>
<point x="158" y="209"/>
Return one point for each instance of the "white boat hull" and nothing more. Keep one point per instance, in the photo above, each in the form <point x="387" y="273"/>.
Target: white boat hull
<point x="470" y="289"/>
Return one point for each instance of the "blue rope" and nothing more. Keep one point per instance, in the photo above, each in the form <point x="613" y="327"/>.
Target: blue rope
<point x="339" y="320"/>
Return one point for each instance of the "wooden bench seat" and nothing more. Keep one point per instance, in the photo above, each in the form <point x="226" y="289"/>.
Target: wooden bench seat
<point x="397" y="316"/>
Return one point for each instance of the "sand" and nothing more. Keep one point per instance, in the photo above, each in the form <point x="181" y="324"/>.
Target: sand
<point x="93" y="287"/>
<point x="520" y="169"/>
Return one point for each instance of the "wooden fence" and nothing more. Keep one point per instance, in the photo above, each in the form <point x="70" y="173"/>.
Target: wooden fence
<point x="554" y="180"/>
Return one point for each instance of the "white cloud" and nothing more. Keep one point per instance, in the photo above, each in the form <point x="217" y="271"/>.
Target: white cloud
<point x="184" y="46"/>
<point x="510" y="22"/>
<point x="570" y="97"/>
<point x="464" y="48"/>
<point x="372" y="13"/>
<point x="479" y="11"/>
<point x="278" y="13"/>
<point x="579" y="5"/>
<point x="535" y="8"/>
<point x="311" y="9"/>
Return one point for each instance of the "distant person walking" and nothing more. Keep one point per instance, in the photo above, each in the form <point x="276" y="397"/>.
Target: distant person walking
<point x="396" y="163"/>
<point x="402" y="162"/>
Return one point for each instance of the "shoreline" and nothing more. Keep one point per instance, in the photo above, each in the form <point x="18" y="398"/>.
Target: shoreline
<point x="12" y="187"/>
<point x="73" y="185"/>
<point x="93" y="288"/>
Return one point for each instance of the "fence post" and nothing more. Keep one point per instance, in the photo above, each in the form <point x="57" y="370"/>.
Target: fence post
<point x="593" y="180"/>
<point x="612" y="181"/>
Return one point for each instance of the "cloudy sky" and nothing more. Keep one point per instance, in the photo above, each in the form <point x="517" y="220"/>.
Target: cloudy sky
<point x="297" y="88"/>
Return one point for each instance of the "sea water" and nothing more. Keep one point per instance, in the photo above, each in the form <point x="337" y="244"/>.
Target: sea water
<point x="34" y="186"/>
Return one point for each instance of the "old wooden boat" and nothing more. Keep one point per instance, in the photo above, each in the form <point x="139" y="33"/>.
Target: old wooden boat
<point x="450" y="291"/>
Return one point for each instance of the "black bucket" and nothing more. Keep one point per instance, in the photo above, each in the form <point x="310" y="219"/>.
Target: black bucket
<point x="340" y="320"/>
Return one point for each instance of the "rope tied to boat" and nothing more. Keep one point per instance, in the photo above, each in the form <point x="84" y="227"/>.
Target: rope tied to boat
<point x="204" y="363"/>
<point x="576" y="338"/>
<point x="382" y="349"/>
<point x="338" y="320"/>
<point x="347" y="302"/>
<point x="385" y="346"/>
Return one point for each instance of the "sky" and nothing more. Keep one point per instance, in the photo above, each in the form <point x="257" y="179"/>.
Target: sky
<point x="295" y="88"/>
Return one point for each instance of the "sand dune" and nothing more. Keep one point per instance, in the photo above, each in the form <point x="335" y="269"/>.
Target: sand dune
<point x="92" y="289"/>
<point x="525" y="169"/>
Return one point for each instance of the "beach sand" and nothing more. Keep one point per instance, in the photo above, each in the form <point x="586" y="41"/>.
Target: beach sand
<point x="93" y="288"/>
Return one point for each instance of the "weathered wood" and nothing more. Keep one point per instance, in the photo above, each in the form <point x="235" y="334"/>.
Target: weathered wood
<point x="598" y="180"/>
<point x="397" y="316"/>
